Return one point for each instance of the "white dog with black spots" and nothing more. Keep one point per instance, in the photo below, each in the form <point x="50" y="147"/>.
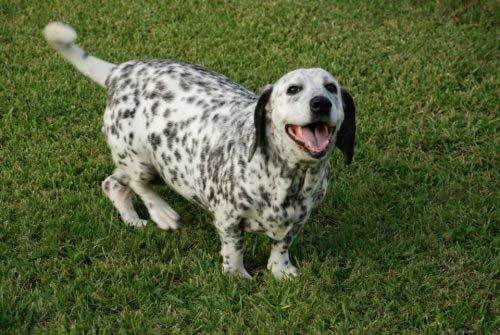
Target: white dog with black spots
<point x="259" y="164"/>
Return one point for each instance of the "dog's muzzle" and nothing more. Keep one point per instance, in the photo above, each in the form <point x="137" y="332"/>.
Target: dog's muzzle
<point x="314" y="138"/>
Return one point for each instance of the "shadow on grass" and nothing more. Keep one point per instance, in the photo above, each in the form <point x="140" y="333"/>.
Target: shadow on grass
<point x="335" y="235"/>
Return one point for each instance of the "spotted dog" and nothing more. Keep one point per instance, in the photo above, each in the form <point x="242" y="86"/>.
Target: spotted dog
<point x="259" y="164"/>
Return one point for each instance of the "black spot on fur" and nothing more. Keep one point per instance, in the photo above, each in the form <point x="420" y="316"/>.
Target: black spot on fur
<point x="155" y="140"/>
<point x="154" y="108"/>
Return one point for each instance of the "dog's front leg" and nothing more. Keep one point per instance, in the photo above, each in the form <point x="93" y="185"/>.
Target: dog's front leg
<point x="279" y="262"/>
<point x="231" y="238"/>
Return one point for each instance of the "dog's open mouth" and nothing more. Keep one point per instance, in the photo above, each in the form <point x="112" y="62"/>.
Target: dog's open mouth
<point x="313" y="138"/>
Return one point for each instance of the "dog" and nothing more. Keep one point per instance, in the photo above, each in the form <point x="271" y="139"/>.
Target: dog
<point x="257" y="163"/>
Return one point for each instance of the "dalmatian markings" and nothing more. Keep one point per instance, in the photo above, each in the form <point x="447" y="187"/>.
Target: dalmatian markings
<point x="259" y="164"/>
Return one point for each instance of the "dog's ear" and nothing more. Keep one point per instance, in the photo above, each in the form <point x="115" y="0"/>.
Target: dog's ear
<point x="260" y="122"/>
<point x="347" y="132"/>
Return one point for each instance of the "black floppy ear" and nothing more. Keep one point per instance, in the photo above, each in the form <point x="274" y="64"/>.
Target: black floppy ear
<point x="260" y="122"/>
<point x="347" y="132"/>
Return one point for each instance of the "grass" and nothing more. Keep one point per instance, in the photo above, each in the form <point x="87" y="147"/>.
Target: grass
<point x="406" y="241"/>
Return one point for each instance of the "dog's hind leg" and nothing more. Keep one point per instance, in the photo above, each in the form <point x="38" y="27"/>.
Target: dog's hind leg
<point x="161" y="213"/>
<point x="116" y="187"/>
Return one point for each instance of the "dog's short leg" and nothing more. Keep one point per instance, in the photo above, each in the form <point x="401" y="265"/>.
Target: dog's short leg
<point x="231" y="247"/>
<point x="161" y="213"/>
<point x="279" y="262"/>
<point x="117" y="189"/>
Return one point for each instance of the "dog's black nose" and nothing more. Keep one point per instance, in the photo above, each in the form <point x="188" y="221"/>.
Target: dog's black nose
<point x="320" y="105"/>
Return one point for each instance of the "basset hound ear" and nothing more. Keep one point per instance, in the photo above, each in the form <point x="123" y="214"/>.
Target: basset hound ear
<point x="260" y="122"/>
<point x="347" y="132"/>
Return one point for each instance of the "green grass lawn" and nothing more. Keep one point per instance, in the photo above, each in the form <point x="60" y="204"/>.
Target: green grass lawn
<point x="406" y="240"/>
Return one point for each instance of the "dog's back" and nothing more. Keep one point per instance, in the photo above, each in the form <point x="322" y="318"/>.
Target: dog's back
<point x="154" y="110"/>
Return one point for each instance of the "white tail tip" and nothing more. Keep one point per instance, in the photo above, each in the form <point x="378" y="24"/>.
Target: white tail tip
<point x="59" y="33"/>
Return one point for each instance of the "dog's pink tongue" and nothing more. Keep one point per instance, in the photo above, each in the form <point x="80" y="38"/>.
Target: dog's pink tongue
<point x="315" y="139"/>
<point x="322" y="134"/>
<point x="308" y="137"/>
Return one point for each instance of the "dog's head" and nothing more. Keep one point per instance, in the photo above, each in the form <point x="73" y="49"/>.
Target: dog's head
<point x="304" y="113"/>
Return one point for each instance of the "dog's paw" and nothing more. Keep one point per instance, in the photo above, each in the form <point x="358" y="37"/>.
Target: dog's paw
<point x="134" y="222"/>
<point x="240" y="272"/>
<point x="164" y="216"/>
<point x="282" y="270"/>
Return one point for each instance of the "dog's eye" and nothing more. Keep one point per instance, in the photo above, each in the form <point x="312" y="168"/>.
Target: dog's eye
<point x="332" y="88"/>
<point x="294" y="89"/>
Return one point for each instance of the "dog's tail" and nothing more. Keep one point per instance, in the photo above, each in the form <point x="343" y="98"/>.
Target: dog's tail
<point x="62" y="37"/>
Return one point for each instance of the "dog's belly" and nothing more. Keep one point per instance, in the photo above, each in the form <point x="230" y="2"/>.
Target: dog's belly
<point x="277" y="221"/>
<point x="288" y="206"/>
<point x="276" y="231"/>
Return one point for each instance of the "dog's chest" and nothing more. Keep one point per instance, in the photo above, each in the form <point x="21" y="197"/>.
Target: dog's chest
<point x="285" y="202"/>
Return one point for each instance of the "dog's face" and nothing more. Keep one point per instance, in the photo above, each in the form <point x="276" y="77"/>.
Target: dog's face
<point x="305" y="110"/>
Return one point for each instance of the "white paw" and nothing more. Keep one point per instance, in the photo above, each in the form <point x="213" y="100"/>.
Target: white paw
<point x="241" y="272"/>
<point x="135" y="222"/>
<point x="164" y="216"/>
<point x="283" y="270"/>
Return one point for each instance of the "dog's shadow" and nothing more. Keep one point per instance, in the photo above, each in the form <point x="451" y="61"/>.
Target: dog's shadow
<point x="330" y="238"/>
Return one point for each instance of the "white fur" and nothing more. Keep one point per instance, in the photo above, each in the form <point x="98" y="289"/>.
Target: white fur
<point x="195" y="129"/>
